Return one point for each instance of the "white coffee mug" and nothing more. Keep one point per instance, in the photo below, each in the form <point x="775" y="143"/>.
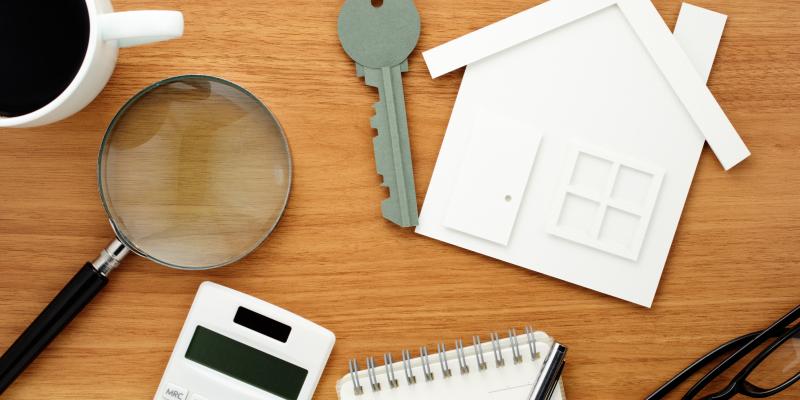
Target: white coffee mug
<point x="108" y="32"/>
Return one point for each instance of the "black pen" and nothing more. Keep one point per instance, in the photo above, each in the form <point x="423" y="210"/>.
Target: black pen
<point x="549" y="375"/>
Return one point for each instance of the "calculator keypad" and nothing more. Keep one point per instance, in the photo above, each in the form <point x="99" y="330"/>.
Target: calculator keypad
<point x="175" y="392"/>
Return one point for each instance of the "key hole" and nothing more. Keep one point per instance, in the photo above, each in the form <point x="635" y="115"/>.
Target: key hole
<point x="377" y="3"/>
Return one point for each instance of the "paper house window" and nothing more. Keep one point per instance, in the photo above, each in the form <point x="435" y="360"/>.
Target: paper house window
<point x="606" y="201"/>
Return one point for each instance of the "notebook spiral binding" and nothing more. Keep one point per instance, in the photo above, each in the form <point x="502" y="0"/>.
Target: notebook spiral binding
<point x="441" y="350"/>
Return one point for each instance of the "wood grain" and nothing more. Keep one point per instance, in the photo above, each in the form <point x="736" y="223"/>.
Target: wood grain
<point x="733" y="266"/>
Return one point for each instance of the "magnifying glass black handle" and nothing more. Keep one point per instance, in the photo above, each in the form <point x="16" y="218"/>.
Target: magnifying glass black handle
<point x="83" y="287"/>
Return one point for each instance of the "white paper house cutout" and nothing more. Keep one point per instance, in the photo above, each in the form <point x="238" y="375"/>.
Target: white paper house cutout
<point x="575" y="138"/>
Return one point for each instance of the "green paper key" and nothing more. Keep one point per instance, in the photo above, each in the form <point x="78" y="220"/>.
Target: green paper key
<point x="379" y="38"/>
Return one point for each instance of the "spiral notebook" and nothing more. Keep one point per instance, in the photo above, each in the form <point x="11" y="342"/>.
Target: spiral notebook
<point x="501" y="369"/>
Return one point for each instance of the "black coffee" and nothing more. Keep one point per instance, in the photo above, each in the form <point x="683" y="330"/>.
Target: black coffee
<point x="42" y="46"/>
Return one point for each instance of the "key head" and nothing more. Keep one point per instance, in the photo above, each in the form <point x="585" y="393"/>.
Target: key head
<point x="379" y="36"/>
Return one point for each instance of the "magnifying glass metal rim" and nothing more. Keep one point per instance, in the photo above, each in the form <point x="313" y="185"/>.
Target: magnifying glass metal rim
<point x="133" y="100"/>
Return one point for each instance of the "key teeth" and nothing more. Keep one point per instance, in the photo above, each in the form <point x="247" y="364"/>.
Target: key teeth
<point x="391" y="207"/>
<point x="373" y="121"/>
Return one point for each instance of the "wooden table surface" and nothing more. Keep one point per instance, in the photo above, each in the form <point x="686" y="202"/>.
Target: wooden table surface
<point x="733" y="267"/>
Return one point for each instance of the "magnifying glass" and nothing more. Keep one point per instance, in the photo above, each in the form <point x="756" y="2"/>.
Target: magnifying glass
<point x="194" y="173"/>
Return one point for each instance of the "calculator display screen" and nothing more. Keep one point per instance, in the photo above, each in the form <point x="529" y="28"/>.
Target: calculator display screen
<point x="244" y="363"/>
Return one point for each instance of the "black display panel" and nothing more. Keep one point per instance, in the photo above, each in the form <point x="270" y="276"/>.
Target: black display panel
<point x="249" y="365"/>
<point x="263" y="325"/>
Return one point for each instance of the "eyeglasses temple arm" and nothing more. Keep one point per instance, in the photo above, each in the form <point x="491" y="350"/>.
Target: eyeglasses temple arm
<point x="772" y="331"/>
<point x="699" y="364"/>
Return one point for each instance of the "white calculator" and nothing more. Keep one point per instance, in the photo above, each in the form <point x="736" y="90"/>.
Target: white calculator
<point x="236" y="347"/>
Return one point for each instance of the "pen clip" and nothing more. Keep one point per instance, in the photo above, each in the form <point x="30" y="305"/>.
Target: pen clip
<point x="550" y="373"/>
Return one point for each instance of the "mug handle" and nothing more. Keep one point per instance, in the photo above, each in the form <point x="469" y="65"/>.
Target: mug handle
<point x="132" y="28"/>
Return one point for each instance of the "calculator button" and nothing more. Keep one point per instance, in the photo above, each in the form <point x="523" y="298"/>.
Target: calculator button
<point x="175" y="392"/>
<point x="197" y="397"/>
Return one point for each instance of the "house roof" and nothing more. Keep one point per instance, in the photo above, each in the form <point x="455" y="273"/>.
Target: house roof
<point x="649" y="27"/>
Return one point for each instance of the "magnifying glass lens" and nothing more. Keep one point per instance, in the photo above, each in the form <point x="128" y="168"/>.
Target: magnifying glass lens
<point x="194" y="173"/>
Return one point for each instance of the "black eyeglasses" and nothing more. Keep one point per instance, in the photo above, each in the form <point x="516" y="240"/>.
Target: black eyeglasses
<point x="771" y="371"/>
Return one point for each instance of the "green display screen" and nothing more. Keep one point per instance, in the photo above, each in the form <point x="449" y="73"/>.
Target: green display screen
<point x="246" y="364"/>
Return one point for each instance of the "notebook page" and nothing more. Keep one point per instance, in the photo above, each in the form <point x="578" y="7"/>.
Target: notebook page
<point x="508" y="382"/>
